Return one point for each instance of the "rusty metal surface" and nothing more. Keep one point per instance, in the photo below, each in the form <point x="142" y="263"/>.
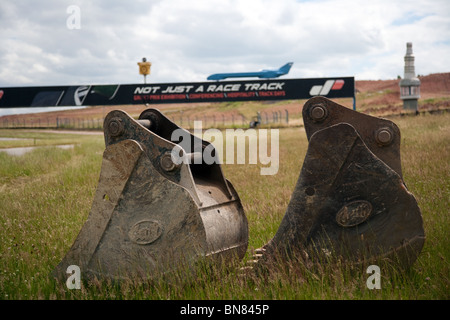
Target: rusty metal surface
<point x="148" y="216"/>
<point x="350" y="203"/>
<point x="381" y="136"/>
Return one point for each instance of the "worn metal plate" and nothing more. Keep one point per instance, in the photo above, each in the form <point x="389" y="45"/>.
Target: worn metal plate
<point x="381" y="136"/>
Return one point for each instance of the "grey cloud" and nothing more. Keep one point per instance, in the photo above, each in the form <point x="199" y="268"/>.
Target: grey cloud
<point x="187" y="40"/>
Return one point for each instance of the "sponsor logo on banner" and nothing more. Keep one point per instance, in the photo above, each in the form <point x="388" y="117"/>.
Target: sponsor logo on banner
<point x="325" y="89"/>
<point x="80" y="94"/>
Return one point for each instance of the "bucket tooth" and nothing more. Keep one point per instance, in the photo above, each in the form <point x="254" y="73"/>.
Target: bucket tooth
<point x="348" y="201"/>
<point x="151" y="214"/>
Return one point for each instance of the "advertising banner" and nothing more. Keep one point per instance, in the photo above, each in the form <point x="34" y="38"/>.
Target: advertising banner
<point x="158" y="93"/>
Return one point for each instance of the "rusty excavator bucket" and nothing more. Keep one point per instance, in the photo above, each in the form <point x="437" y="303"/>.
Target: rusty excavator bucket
<point x="350" y="199"/>
<point x="160" y="203"/>
<point x="157" y="205"/>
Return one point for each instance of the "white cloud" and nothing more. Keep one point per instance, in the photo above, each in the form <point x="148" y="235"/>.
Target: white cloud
<point x="188" y="40"/>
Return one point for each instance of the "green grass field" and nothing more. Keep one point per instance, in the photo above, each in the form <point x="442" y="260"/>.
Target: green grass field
<point x="46" y="195"/>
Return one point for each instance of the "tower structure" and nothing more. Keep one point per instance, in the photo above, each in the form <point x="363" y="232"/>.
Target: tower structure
<point x="410" y="84"/>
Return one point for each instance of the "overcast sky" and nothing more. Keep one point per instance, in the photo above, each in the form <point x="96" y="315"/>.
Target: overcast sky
<point x="44" y="43"/>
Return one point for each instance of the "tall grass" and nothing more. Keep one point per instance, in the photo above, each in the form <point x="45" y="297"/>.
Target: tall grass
<point x="46" y="195"/>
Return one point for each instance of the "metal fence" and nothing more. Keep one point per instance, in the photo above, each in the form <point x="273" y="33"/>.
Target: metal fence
<point x="213" y="121"/>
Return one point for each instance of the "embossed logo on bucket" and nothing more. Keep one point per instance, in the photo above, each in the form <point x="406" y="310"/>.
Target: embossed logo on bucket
<point x="354" y="213"/>
<point x="145" y="231"/>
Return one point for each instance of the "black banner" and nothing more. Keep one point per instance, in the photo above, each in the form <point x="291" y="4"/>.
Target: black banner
<point x="154" y="93"/>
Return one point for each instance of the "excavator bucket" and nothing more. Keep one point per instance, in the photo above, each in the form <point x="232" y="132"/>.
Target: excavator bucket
<point x="350" y="200"/>
<point x="162" y="200"/>
<point x="158" y="204"/>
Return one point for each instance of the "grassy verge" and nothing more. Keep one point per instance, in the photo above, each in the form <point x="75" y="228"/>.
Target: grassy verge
<point x="31" y="138"/>
<point x="46" y="195"/>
